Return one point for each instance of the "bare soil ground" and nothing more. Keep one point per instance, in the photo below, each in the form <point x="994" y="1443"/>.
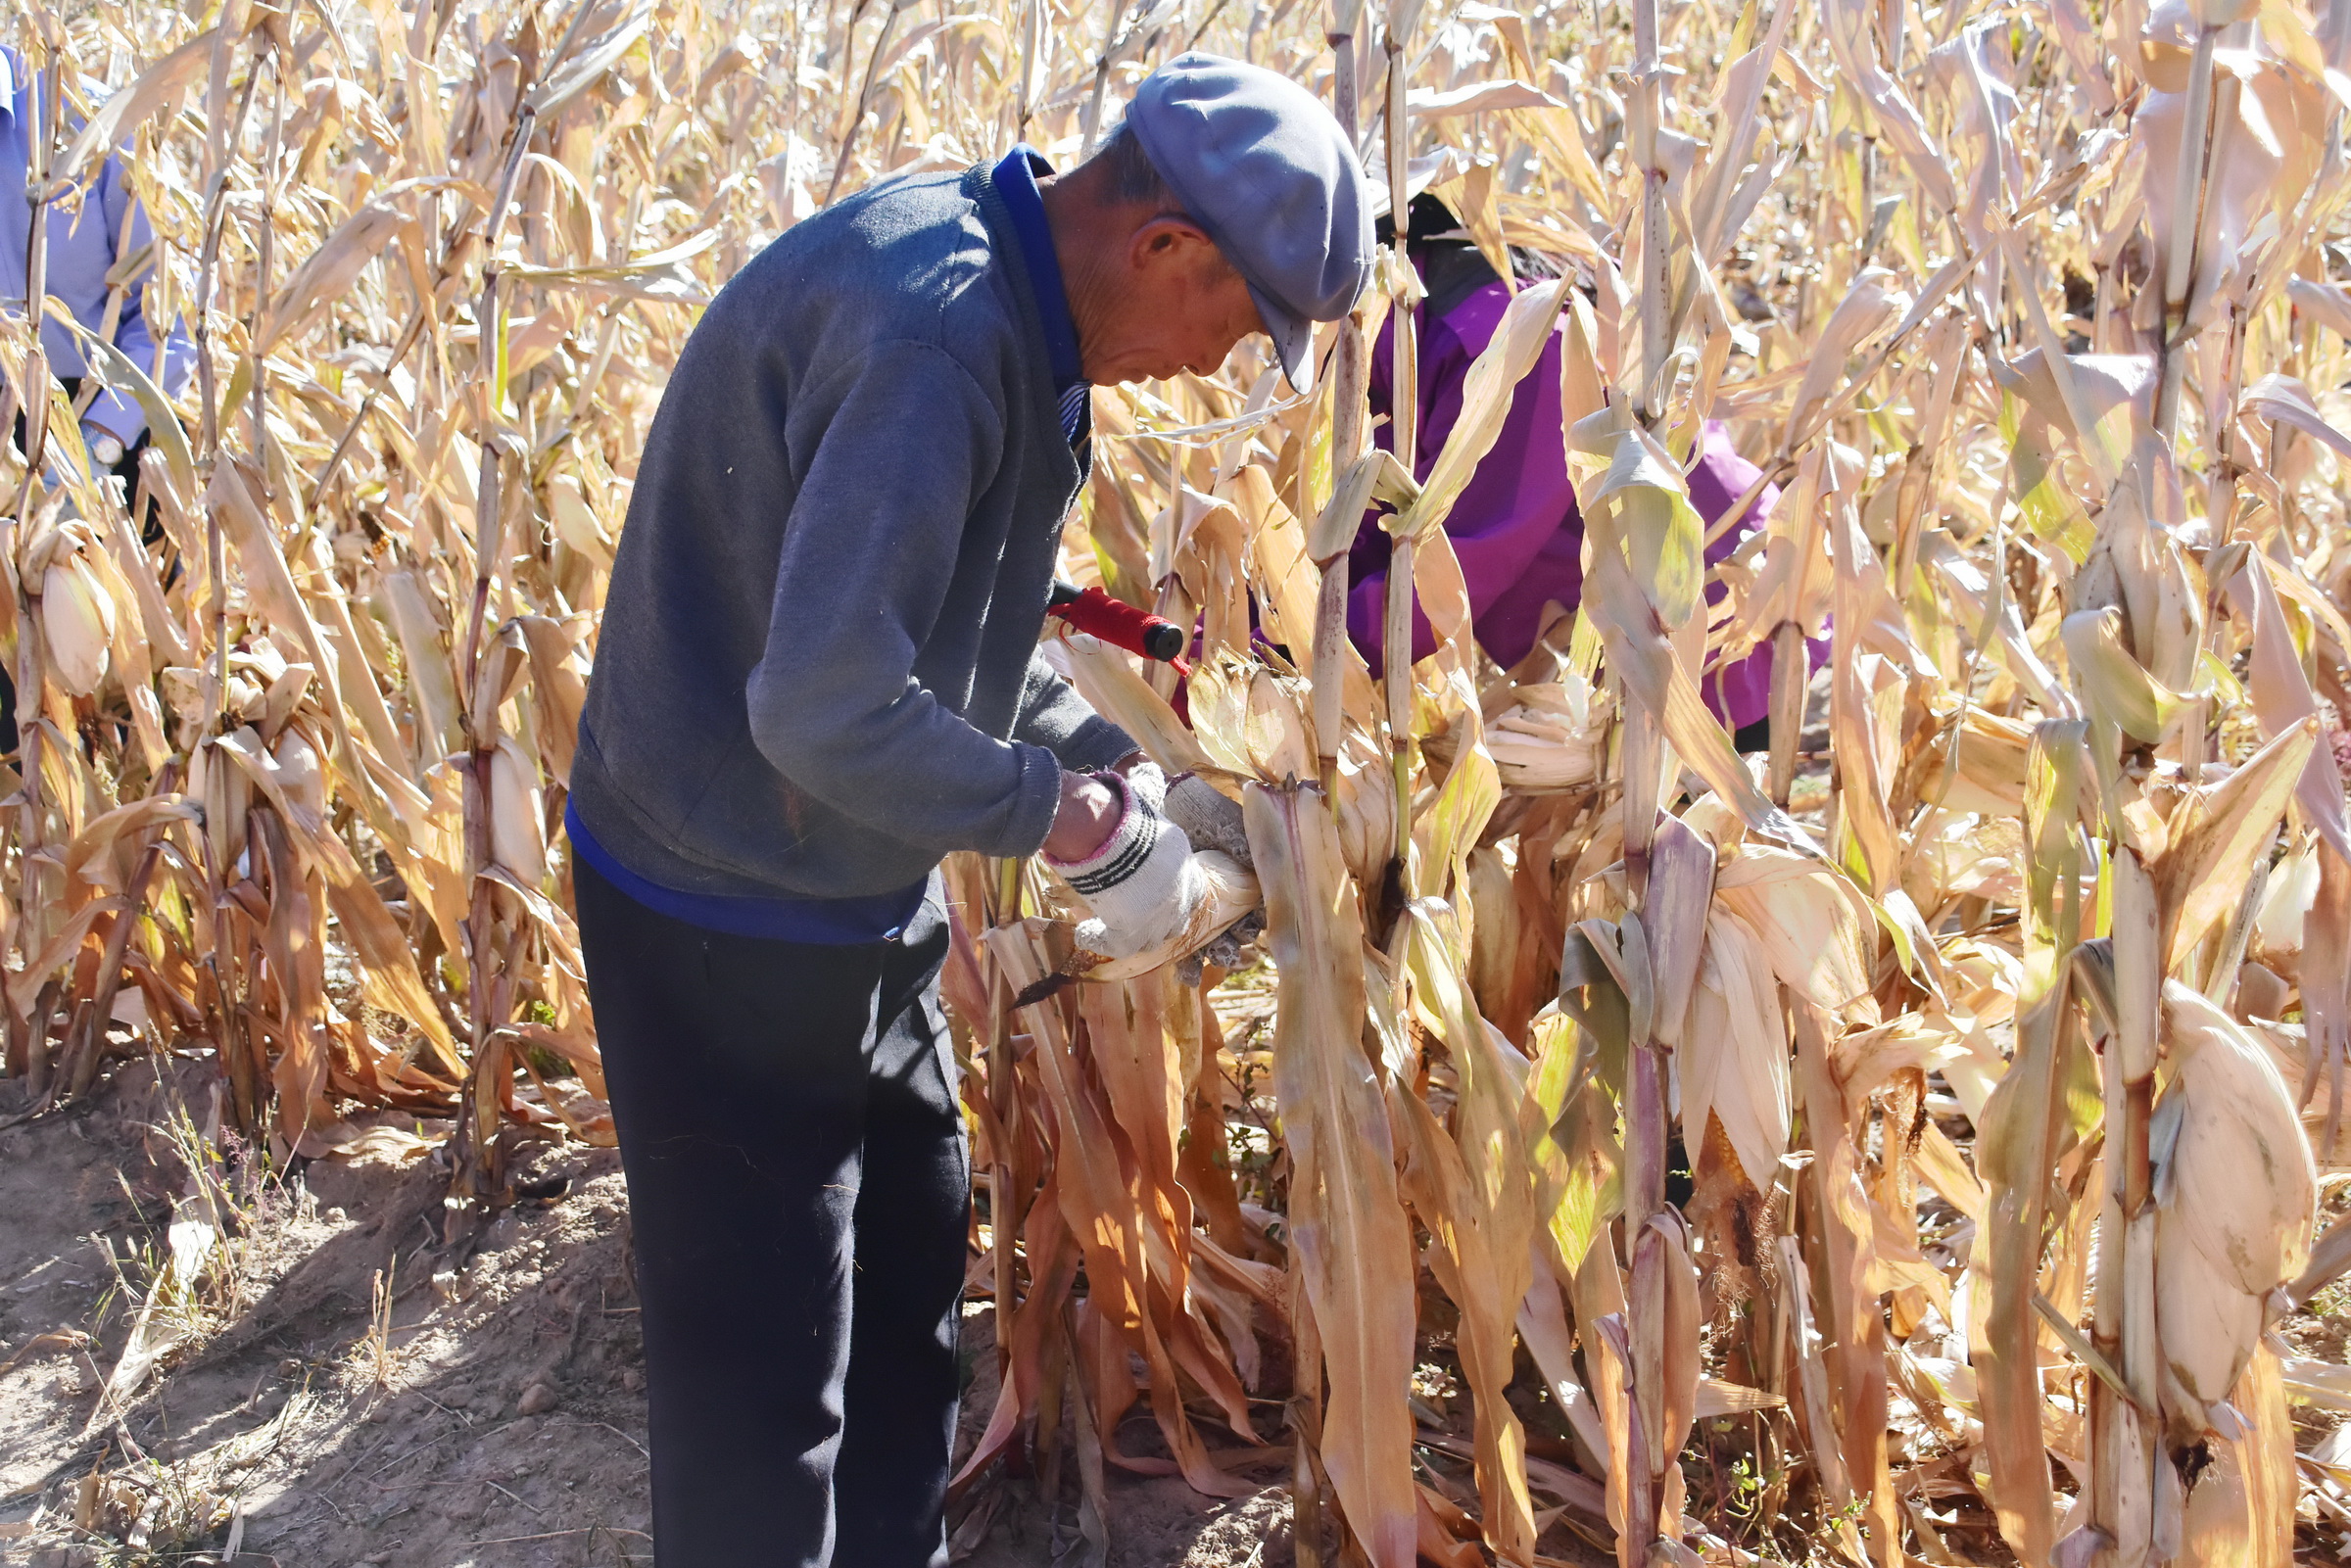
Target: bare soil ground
<point x="498" y="1423"/>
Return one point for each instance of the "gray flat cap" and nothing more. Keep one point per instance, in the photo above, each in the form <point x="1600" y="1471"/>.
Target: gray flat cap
<point x="1258" y="162"/>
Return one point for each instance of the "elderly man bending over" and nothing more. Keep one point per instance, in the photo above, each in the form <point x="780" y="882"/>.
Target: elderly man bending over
<point x="817" y="676"/>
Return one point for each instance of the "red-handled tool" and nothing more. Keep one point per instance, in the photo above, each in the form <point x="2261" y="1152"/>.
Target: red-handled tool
<point x="1120" y="624"/>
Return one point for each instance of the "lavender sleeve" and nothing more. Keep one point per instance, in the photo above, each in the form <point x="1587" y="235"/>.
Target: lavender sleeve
<point x="1740" y="692"/>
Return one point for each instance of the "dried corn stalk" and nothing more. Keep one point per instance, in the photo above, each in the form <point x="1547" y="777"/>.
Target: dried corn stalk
<point x="1996" y="1023"/>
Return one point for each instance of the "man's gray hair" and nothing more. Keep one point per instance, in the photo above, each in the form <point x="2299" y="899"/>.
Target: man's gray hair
<point x="1132" y="177"/>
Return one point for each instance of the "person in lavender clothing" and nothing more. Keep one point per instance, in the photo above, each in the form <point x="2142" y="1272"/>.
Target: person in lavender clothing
<point x="89" y="233"/>
<point x="1515" y="527"/>
<point x="85" y="244"/>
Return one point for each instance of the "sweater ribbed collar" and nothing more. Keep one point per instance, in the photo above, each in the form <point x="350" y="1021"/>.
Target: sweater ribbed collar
<point x="1015" y="177"/>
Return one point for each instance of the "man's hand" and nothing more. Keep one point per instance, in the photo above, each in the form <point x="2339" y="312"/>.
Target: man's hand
<point x="1086" y="815"/>
<point x="1139" y="880"/>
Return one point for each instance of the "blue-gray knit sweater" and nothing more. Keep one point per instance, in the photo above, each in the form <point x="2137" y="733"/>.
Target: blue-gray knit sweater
<point x="818" y="670"/>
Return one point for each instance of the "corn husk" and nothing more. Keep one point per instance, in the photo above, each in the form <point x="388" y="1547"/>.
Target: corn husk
<point x="78" y="623"/>
<point x="2001" y="1016"/>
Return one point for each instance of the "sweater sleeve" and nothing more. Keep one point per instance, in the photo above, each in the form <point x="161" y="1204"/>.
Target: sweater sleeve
<point x="1054" y="716"/>
<point x="866" y="566"/>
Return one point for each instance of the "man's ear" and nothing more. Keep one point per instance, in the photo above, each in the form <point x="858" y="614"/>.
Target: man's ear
<point x="1167" y="240"/>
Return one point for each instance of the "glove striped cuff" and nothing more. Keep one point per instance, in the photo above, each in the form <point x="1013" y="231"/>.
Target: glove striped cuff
<point x="1122" y="853"/>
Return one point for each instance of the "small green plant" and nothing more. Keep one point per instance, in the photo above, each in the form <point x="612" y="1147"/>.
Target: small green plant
<point x="1747" y="1489"/>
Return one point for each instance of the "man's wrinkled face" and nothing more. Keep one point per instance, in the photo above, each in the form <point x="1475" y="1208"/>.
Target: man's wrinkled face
<point x="1181" y="307"/>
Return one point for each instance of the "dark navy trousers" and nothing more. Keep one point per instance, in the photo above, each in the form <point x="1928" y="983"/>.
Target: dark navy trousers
<point x="798" y="1185"/>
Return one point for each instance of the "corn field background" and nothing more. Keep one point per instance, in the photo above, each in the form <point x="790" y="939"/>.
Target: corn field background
<point x="1988" y="1035"/>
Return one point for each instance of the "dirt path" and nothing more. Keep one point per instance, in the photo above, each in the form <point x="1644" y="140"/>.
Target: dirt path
<point x="500" y="1422"/>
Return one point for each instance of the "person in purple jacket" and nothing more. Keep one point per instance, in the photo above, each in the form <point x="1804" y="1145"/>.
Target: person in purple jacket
<point x="1515" y="527"/>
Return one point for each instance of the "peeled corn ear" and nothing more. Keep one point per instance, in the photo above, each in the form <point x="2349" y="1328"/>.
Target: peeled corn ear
<point x="2234" y="1200"/>
<point x="574" y="519"/>
<point x="304" y="775"/>
<point x="77" y="619"/>
<point x="518" y="838"/>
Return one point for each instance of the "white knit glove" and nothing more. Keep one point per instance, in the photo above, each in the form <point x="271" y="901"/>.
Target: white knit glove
<point x="1141" y="887"/>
